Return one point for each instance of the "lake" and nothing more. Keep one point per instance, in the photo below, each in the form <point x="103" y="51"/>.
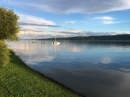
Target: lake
<point x="93" y="68"/>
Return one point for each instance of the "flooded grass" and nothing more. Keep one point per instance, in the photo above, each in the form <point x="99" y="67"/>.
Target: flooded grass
<point x="17" y="80"/>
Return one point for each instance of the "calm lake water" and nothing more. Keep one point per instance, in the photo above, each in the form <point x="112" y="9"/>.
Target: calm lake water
<point x="96" y="69"/>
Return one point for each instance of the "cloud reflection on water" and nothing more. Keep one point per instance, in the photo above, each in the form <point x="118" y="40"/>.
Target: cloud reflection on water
<point x="106" y="60"/>
<point x="28" y="52"/>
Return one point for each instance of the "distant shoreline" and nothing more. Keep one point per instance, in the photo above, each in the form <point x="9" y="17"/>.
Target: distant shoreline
<point x="120" y="37"/>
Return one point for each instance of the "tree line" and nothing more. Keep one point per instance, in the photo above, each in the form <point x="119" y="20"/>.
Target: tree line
<point x="105" y="37"/>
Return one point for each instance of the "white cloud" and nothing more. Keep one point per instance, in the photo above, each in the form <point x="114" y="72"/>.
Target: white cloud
<point x="73" y="6"/>
<point x="34" y="20"/>
<point x="65" y="33"/>
<point x="34" y="35"/>
<point x="74" y="32"/>
<point x="33" y="24"/>
<point x="110" y="22"/>
<point x="106" y="20"/>
<point x="69" y="22"/>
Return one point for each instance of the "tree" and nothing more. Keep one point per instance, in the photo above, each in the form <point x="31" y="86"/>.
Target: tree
<point x="9" y="27"/>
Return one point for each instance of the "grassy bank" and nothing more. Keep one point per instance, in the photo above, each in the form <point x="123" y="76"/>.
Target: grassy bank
<point x="17" y="80"/>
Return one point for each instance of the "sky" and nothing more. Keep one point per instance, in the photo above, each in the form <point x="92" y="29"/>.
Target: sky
<point x="40" y="19"/>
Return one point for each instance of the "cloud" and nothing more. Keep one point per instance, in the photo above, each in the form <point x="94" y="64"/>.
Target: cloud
<point x="110" y="22"/>
<point x="44" y="25"/>
<point x="71" y="33"/>
<point x="34" y="20"/>
<point x="34" y="35"/>
<point x="64" y="33"/>
<point x="72" y="6"/>
<point x="106" y="20"/>
<point x="69" y="22"/>
<point x="74" y="32"/>
<point x="34" y="24"/>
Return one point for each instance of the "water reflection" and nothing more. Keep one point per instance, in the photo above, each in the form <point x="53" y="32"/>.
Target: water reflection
<point x="96" y="69"/>
<point x="32" y="53"/>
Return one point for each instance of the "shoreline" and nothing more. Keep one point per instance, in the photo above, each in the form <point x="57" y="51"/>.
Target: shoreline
<point x="49" y="78"/>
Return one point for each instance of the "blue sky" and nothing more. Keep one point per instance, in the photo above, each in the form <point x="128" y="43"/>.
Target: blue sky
<point x="64" y="18"/>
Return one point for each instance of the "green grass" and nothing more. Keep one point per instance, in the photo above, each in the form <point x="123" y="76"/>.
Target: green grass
<point x="17" y="80"/>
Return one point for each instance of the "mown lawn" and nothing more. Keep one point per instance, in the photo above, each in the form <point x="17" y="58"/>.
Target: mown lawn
<point x="17" y="80"/>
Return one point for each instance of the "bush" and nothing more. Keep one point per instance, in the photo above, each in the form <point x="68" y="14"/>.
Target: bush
<point x="4" y="54"/>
